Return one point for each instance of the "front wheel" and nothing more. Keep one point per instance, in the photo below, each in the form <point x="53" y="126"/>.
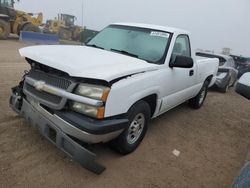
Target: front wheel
<point x="130" y="139"/>
<point x="4" y="29"/>
<point x="199" y="99"/>
<point x="65" y="34"/>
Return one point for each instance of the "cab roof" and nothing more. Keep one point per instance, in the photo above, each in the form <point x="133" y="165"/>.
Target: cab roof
<point x="156" y="27"/>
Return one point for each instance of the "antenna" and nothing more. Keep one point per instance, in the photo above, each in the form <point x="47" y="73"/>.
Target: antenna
<point x="82" y="12"/>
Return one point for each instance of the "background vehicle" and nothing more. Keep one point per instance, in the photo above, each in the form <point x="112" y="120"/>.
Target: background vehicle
<point x="14" y="21"/>
<point x="243" y="68"/>
<point x="243" y="85"/>
<point x="227" y="73"/>
<point x="87" y="35"/>
<point x="242" y="64"/>
<point x="108" y="90"/>
<point x="65" y="27"/>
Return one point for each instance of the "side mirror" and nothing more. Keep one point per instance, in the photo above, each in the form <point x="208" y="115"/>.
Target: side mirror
<point x="181" y="61"/>
<point x="243" y="86"/>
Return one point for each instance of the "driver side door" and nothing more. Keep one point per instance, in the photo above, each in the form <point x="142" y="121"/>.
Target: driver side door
<point x="180" y="81"/>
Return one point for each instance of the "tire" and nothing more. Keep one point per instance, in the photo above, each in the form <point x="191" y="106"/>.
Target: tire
<point x="31" y="28"/>
<point x="225" y="89"/>
<point x="65" y="34"/>
<point x="139" y="117"/>
<point x="199" y="99"/>
<point x="233" y="84"/>
<point x="4" y="29"/>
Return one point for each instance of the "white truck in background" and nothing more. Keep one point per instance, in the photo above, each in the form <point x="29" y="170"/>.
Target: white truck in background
<point x="108" y="90"/>
<point x="243" y="85"/>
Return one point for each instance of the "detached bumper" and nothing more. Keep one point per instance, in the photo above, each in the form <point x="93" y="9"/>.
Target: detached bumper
<point x="56" y="130"/>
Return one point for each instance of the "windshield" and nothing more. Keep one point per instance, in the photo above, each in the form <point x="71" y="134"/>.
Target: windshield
<point x="147" y="44"/>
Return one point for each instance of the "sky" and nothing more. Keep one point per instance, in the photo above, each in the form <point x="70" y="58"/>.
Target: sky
<point x="214" y="24"/>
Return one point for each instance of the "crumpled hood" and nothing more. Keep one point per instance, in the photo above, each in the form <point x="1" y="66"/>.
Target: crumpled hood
<point x="87" y="62"/>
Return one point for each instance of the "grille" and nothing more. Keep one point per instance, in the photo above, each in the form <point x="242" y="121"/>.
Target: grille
<point x="50" y="79"/>
<point x="43" y="95"/>
<point x="47" y="99"/>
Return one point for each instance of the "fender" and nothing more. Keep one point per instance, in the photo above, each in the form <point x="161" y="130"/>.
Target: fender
<point x="20" y="27"/>
<point x="126" y="92"/>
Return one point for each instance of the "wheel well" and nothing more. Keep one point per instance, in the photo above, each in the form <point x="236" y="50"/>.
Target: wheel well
<point x="151" y="100"/>
<point x="23" y="25"/>
<point x="209" y="78"/>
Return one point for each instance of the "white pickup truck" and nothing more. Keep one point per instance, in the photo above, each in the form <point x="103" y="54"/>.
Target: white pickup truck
<point x="109" y="89"/>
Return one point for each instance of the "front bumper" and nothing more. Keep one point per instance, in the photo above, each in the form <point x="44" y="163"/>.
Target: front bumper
<point x="58" y="131"/>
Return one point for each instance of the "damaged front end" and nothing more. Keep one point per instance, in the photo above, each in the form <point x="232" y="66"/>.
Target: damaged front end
<point x="54" y="134"/>
<point x="31" y="111"/>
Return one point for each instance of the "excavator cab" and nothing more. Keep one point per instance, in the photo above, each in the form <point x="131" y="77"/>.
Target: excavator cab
<point x="7" y="8"/>
<point x="7" y="3"/>
<point x="68" y="19"/>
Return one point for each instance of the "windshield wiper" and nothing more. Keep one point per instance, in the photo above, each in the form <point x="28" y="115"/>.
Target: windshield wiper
<point x="125" y="52"/>
<point x="95" y="46"/>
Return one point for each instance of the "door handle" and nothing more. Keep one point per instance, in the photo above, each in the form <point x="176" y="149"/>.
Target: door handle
<point x="191" y="72"/>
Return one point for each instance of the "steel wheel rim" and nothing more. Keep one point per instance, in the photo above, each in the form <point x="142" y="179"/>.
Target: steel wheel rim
<point x="202" y="97"/>
<point x="136" y="128"/>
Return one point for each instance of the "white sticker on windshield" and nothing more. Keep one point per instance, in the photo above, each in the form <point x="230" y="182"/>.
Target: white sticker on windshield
<point x="159" y="34"/>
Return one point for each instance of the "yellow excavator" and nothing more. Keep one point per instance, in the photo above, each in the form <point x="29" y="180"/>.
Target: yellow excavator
<point x="15" y="21"/>
<point x="64" y="26"/>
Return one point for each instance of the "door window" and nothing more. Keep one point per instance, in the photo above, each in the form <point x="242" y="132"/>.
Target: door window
<point x="182" y="46"/>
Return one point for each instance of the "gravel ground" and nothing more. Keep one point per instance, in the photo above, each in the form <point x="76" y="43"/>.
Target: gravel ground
<point x="213" y="142"/>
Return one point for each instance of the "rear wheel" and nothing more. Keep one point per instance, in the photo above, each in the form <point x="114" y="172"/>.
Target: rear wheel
<point x="199" y="99"/>
<point x="4" y="29"/>
<point x="225" y="89"/>
<point x="233" y="84"/>
<point x="130" y="139"/>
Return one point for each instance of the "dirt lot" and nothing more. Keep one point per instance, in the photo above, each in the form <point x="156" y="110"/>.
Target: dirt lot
<point x="213" y="142"/>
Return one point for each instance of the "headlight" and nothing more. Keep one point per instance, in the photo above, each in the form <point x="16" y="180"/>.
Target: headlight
<point x="96" y="112"/>
<point x="93" y="91"/>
